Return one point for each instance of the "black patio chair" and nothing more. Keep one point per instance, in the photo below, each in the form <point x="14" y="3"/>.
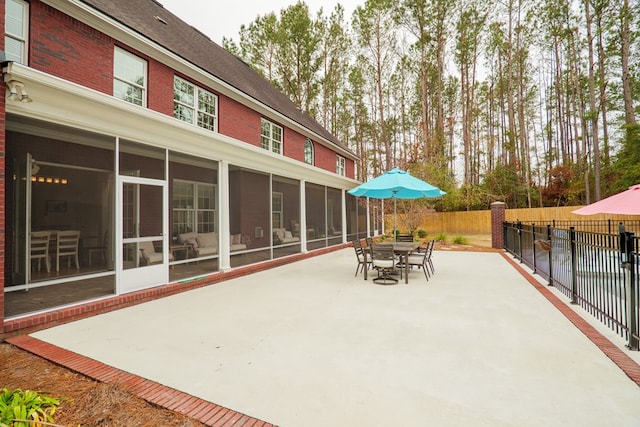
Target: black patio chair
<point x="384" y="261"/>
<point x="423" y="260"/>
<point x="363" y="256"/>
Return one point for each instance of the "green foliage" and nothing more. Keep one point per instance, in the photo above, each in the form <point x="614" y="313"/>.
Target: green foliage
<point x="469" y="198"/>
<point x="27" y="408"/>
<point x="441" y="237"/>
<point x="460" y="240"/>
<point x="422" y="233"/>
<point x="627" y="164"/>
<point x="501" y="184"/>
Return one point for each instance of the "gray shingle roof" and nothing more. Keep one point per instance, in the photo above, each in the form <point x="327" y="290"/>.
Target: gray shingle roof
<point x="187" y="42"/>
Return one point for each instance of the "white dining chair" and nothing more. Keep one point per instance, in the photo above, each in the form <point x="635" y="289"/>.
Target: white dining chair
<point x="39" y="249"/>
<point x="67" y="246"/>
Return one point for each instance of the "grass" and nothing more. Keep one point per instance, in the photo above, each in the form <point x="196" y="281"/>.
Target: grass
<point x="441" y="237"/>
<point x="460" y="240"/>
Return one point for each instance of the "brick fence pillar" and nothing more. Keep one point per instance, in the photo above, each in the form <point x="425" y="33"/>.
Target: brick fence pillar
<point x="497" y="218"/>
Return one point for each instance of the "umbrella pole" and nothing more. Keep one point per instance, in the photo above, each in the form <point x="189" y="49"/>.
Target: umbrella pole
<point x="394" y="220"/>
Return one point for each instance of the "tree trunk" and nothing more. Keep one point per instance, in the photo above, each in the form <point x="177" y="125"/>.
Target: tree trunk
<point x="625" y="16"/>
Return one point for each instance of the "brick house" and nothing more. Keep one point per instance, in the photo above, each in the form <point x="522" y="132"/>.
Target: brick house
<point x="141" y="159"/>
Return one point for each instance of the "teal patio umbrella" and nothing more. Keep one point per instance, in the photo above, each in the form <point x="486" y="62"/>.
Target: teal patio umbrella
<point x="396" y="184"/>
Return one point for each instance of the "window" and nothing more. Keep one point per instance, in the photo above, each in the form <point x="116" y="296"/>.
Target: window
<point x="277" y="215"/>
<point x="129" y="77"/>
<point x="340" y="166"/>
<point x="194" y="105"/>
<point x="271" y="137"/>
<point x="308" y="151"/>
<point x="16" y="30"/>
<point x="194" y="207"/>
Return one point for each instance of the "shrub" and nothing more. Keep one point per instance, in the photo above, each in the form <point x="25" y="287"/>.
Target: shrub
<point x="28" y="408"/>
<point x="422" y="233"/>
<point x="460" y="240"/>
<point x="441" y="237"/>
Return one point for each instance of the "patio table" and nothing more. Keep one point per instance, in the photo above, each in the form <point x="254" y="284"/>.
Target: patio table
<point x="403" y="249"/>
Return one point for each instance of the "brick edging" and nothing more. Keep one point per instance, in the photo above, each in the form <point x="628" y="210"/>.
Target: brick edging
<point x="155" y="393"/>
<point x="617" y="356"/>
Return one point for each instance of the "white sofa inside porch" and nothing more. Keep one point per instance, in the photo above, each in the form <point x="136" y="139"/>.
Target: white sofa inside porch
<point x="204" y="244"/>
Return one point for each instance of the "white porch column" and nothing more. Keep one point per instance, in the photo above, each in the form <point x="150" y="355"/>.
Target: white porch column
<point x="224" y="258"/>
<point x="303" y="217"/>
<point x="344" y="216"/>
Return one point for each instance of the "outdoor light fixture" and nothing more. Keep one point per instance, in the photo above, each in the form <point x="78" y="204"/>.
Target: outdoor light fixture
<point x="17" y="92"/>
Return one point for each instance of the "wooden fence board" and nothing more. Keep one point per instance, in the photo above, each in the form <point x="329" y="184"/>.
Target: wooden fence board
<point x="479" y="222"/>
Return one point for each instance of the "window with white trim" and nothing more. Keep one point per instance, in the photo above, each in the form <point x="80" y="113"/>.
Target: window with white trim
<point x="194" y="105"/>
<point x="129" y="77"/>
<point x="340" y="165"/>
<point x="194" y="207"/>
<point x="308" y="151"/>
<point x="271" y="136"/>
<point x="16" y="20"/>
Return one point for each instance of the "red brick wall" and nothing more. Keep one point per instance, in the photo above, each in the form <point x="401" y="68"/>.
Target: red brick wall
<point x="351" y="169"/>
<point x="294" y="145"/>
<point x="238" y="121"/>
<point x="63" y="47"/>
<point x="497" y="218"/>
<point x="160" y="91"/>
<point x="325" y="158"/>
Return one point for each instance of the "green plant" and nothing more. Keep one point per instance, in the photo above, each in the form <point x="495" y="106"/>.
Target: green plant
<point x="27" y="408"/>
<point x="422" y="233"/>
<point x="441" y="237"/>
<point x="460" y="240"/>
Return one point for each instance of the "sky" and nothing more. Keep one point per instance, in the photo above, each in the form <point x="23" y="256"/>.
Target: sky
<point x="223" y="18"/>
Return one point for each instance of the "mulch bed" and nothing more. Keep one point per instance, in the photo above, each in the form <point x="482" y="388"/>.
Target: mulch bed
<point x="90" y="403"/>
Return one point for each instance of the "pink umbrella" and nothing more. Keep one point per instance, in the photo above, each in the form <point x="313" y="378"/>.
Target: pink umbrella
<point x="624" y="203"/>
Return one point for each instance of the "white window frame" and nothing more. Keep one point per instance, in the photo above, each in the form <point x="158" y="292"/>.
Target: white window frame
<point x="194" y="210"/>
<point x="269" y="136"/>
<point x="196" y="105"/>
<point x="341" y="165"/>
<point x="308" y="152"/>
<point x="277" y="215"/>
<point x="120" y="78"/>
<point x="21" y="39"/>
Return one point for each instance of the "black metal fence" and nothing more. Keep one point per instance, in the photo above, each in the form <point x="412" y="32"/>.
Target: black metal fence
<point x="594" y="263"/>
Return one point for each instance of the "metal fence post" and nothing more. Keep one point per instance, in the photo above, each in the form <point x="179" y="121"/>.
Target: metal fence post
<point x="574" y="266"/>
<point x="533" y="246"/>
<point x="549" y="255"/>
<point x="628" y="264"/>
<point x="519" y="225"/>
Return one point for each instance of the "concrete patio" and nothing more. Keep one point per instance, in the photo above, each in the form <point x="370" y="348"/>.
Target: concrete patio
<point x="309" y="344"/>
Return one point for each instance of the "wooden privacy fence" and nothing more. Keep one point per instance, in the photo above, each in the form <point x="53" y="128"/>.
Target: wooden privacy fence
<point x="479" y="222"/>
